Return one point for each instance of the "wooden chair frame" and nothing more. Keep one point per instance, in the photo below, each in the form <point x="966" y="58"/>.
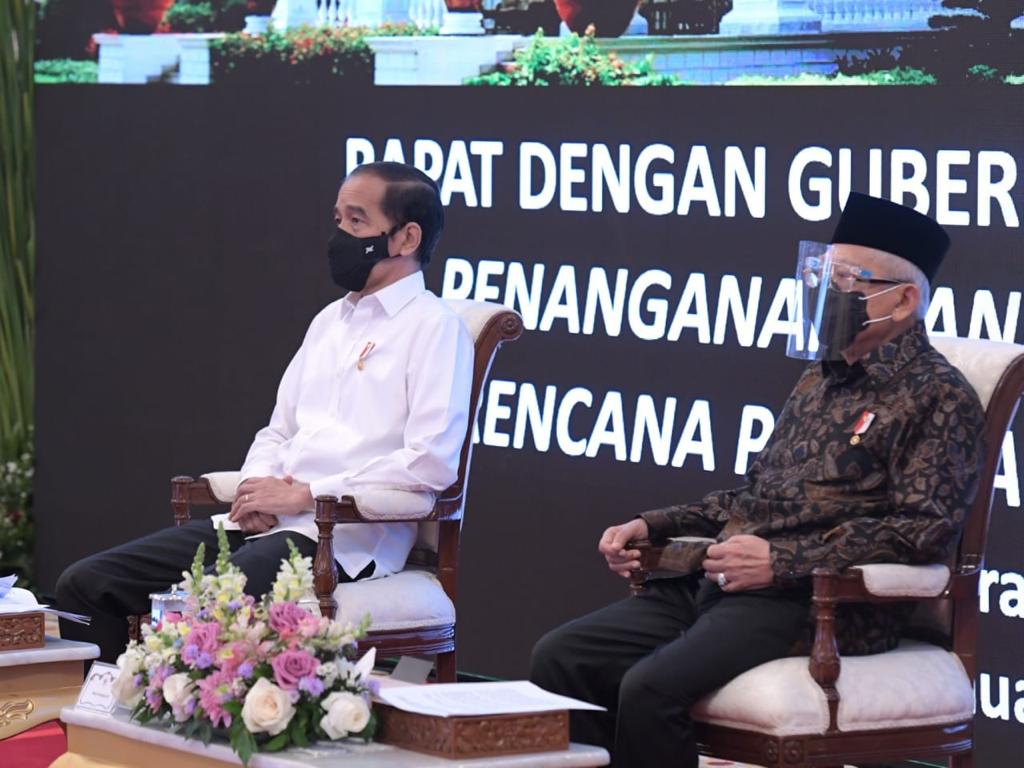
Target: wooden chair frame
<point x="954" y="741"/>
<point x="186" y="492"/>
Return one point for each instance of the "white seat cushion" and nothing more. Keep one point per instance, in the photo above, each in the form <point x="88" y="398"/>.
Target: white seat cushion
<point x="402" y="601"/>
<point x="915" y="684"/>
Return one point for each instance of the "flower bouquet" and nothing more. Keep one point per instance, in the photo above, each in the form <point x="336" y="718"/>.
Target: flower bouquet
<point x="266" y="674"/>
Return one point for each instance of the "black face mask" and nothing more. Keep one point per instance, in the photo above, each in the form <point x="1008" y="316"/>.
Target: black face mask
<point x="352" y="258"/>
<point x="844" y="317"/>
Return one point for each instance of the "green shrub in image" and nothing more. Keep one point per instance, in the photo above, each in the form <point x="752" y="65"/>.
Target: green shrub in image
<point x="983" y="73"/>
<point x="898" y="76"/>
<point x="51" y="71"/>
<point x="205" y="16"/>
<point x="571" y="60"/>
<point x="188" y="17"/>
<point x="304" y="55"/>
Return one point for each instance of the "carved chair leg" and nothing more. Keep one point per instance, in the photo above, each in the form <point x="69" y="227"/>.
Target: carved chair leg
<point x="325" y="569"/>
<point x="446" y="671"/>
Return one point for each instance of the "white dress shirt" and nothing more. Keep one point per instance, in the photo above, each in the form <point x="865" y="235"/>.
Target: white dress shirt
<point x="376" y="397"/>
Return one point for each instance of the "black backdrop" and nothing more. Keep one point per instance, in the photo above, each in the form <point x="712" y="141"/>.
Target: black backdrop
<point x="181" y="256"/>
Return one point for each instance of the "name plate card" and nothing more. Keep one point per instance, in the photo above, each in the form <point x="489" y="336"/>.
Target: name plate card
<point x="97" y="694"/>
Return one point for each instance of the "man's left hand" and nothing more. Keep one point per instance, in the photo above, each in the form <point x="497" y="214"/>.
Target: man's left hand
<point x="745" y="560"/>
<point x="271" y="496"/>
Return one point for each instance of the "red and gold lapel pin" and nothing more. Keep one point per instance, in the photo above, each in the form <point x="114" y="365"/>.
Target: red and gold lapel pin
<point x="361" y="362"/>
<point x="862" y="425"/>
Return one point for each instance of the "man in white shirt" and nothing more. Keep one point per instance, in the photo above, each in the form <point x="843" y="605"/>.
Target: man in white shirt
<point x="377" y="396"/>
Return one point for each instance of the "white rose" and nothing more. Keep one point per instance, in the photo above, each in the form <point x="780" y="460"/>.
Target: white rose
<point x="131" y="659"/>
<point x="125" y="691"/>
<point x="267" y="708"/>
<point x="178" y="689"/>
<point x="346" y="713"/>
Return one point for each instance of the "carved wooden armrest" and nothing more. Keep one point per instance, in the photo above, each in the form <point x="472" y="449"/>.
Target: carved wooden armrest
<point x="371" y="506"/>
<point x="214" y="488"/>
<point x="883" y="583"/>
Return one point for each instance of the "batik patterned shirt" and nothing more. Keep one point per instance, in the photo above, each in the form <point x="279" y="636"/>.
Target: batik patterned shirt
<point x="824" y="496"/>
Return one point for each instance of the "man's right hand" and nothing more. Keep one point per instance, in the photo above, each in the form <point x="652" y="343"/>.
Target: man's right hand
<point x="613" y="546"/>
<point x="257" y="522"/>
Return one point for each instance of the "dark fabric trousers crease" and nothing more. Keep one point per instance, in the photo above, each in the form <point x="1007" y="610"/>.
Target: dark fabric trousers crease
<point x="649" y="658"/>
<point x="116" y="583"/>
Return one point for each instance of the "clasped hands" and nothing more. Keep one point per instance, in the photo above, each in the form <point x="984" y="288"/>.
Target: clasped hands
<point x="259" y="501"/>
<point x="745" y="560"/>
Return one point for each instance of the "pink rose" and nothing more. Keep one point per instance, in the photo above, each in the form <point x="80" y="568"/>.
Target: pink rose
<point x="286" y="618"/>
<point x="291" y="666"/>
<point x="205" y="637"/>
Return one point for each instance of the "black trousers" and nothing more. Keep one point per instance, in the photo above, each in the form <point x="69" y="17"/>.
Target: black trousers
<point x="116" y="583"/>
<point x="649" y="658"/>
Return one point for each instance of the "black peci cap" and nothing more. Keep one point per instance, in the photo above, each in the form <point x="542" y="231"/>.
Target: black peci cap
<point x="896" y="229"/>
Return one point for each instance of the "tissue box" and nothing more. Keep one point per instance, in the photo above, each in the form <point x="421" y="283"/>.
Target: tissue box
<point x="473" y="737"/>
<point x="19" y="631"/>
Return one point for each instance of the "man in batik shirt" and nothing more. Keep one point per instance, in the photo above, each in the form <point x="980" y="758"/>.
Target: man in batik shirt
<point x="874" y="458"/>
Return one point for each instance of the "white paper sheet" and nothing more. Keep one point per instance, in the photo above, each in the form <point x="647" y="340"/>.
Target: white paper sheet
<point x="18" y="600"/>
<point x="469" y="699"/>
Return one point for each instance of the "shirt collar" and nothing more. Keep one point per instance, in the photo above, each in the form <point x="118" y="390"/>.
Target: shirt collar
<point x="883" y="363"/>
<point x="391" y="298"/>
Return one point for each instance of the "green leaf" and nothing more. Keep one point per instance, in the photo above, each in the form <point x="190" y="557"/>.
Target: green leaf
<point x="243" y="744"/>
<point x="206" y="733"/>
<point x="297" y="730"/>
<point x="277" y="743"/>
<point x="234" y="708"/>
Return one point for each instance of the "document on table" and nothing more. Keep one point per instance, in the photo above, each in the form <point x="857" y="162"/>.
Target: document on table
<point x="17" y="600"/>
<point x="470" y="699"/>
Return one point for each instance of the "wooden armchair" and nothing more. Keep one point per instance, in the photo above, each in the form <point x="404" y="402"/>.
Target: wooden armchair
<point x="915" y="701"/>
<point x="413" y="612"/>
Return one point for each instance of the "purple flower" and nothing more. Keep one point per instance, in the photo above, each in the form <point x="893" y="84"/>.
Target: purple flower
<point x="190" y="654"/>
<point x="234" y="605"/>
<point x="190" y="707"/>
<point x="286" y="618"/>
<point x="137" y="681"/>
<point x="373" y="686"/>
<point x="154" y="698"/>
<point x="292" y="666"/>
<point x="204" y="660"/>
<point x="245" y="669"/>
<point x="314" y="686"/>
<point x="206" y="637"/>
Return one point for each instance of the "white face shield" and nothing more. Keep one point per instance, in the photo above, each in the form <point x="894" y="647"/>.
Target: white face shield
<point x="831" y="306"/>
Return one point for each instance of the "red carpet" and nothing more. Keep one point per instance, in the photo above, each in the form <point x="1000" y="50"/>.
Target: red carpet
<point x="36" y="748"/>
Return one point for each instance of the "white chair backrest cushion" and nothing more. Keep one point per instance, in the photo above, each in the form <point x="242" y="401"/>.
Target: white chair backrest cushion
<point x="982" y="362"/>
<point x="475" y="314"/>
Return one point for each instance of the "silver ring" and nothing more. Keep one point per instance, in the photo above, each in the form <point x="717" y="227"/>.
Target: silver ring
<point x="246" y="500"/>
<point x="722" y="581"/>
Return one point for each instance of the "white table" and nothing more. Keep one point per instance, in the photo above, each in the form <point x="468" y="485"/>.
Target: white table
<point x="112" y="741"/>
<point x="36" y="683"/>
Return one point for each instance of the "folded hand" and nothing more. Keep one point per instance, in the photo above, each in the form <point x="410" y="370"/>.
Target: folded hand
<point x="272" y="496"/>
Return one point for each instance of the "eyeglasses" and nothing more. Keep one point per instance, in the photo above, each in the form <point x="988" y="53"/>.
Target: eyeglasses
<point x="841" y="276"/>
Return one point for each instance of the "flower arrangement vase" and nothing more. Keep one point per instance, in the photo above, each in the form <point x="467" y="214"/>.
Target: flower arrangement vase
<point x="462" y="17"/>
<point x="610" y="17"/>
<point x="140" y="17"/>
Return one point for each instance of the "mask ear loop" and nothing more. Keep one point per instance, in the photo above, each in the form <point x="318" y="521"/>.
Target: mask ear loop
<point x="883" y="291"/>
